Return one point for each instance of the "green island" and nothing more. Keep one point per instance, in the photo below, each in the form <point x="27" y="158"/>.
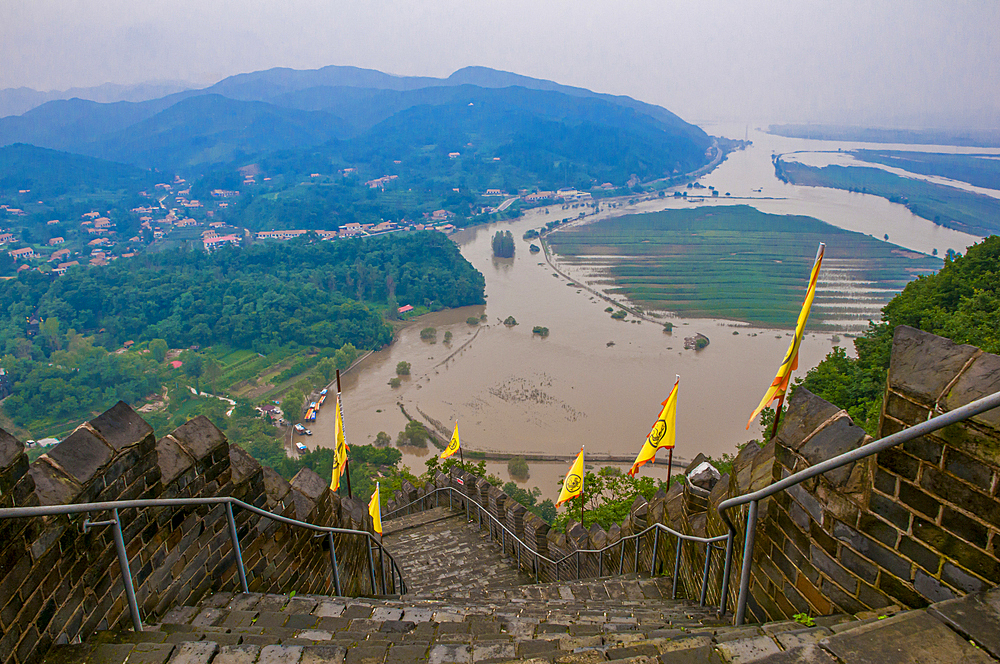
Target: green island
<point x="946" y="206"/>
<point x="981" y="170"/>
<point x="733" y="262"/>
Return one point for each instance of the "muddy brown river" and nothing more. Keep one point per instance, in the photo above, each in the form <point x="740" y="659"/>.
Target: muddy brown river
<point x="594" y="380"/>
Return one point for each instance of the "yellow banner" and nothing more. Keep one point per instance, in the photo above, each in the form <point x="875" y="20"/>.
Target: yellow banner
<point x="375" y="510"/>
<point x="663" y="433"/>
<point x="339" y="450"/>
<point x="453" y="444"/>
<point x="573" y="484"/>
<point x="791" y="362"/>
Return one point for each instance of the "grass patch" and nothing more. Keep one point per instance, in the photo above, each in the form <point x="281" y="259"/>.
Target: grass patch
<point x="739" y="263"/>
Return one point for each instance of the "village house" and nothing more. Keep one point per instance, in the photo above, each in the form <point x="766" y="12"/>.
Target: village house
<point x="186" y="222"/>
<point x="279" y="235"/>
<point x="224" y="193"/>
<point x="58" y="254"/>
<point x="90" y="215"/>
<point x="56" y="240"/>
<point x="65" y="266"/>
<point x="538" y="196"/>
<point x="454" y="155"/>
<point x="494" y="192"/>
<point x="52" y="222"/>
<point x="219" y="241"/>
<point x="6" y="238"/>
<point x="22" y="254"/>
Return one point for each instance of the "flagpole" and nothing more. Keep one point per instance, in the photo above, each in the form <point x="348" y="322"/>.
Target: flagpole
<point x="670" y="464"/>
<point x="583" y="475"/>
<point x="347" y="463"/>
<point x="777" y="415"/>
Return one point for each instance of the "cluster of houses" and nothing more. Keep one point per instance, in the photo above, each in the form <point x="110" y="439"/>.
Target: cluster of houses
<point x="564" y="195"/>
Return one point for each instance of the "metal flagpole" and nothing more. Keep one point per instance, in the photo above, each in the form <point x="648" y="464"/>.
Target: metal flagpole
<point x="670" y="463"/>
<point x="347" y="463"/>
<point x="583" y="475"/>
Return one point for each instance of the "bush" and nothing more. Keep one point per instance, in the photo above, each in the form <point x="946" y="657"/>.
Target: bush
<point x="395" y="382"/>
<point x="518" y="468"/>
<point x="541" y="331"/>
<point x="414" y="434"/>
<point x="447" y="337"/>
<point x="403" y="369"/>
<point x="429" y="334"/>
<point x="510" y="321"/>
<point x="472" y="320"/>
<point x="382" y="439"/>
<point x="608" y="310"/>
<point x="620" y="314"/>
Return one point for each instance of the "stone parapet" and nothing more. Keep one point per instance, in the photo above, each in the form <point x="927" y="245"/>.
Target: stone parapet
<point x="58" y="584"/>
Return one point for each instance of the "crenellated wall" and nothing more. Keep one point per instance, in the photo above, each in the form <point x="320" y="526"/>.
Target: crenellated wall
<point x="59" y="584"/>
<point x="916" y="524"/>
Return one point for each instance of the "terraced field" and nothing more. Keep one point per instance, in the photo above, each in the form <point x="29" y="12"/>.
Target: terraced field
<point x="738" y="263"/>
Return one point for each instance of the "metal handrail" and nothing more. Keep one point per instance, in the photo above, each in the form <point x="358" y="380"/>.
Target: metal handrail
<point x="656" y="527"/>
<point x="115" y="505"/>
<point x="951" y="417"/>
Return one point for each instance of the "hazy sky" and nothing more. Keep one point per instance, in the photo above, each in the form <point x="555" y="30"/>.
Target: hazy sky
<point x="877" y="62"/>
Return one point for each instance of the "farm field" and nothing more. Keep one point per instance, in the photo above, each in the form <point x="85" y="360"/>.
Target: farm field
<point x="949" y="207"/>
<point x="738" y="263"/>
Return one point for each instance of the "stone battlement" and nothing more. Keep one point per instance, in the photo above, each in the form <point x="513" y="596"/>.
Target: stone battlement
<point x="59" y="584"/>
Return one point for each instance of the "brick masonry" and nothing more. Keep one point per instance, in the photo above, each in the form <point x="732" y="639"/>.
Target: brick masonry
<point x="58" y="584"/>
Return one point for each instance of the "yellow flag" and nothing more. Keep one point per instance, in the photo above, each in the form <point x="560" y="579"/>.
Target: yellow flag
<point x="663" y="434"/>
<point x="791" y="362"/>
<point x="453" y="444"/>
<point x="339" y="450"/>
<point x="375" y="509"/>
<point x="573" y="484"/>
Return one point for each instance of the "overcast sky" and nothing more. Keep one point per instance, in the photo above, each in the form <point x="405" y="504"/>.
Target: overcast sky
<point x="907" y="63"/>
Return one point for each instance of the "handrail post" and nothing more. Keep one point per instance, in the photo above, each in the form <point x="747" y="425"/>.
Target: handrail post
<point x="578" y="564"/>
<point x="656" y="541"/>
<point x="621" y="562"/>
<point x="371" y="565"/>
<point x="133" y="605"/>
<point x="234" y="536"/>
<point x="381" y="567"/>
<point x="600" y="563"/>
<point x="451" y="493"/>
<point x="536" y="568"/>
<point x="704" y="578"/>
<point x="677" y="568"/>
<point x="741" y="603"/>
<point x="333" y="562"/>
<point x="724" y="600"/>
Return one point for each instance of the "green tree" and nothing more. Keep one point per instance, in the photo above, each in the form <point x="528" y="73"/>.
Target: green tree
<point x="194" y="366"/>
<point x="428" y="334"/>
<point x="403" y="368"/>
<point x="518" y="468"/>
<point x="327" y="368"/>
<point x="158" y="348"/>
<point x="291" y="405"/>
<point x="382" y="439"/>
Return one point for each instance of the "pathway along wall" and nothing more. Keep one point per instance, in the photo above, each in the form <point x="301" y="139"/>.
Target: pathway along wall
<point x="58" y="584"/>
<point x="916" y="524"/>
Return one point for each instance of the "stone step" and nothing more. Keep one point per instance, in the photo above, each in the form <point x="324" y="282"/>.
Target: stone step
<point x="439" y="552"/>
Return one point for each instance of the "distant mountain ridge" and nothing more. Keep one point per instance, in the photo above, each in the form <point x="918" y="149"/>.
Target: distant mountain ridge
<point x="15" y="101"/>
<point x="278" y="109"/>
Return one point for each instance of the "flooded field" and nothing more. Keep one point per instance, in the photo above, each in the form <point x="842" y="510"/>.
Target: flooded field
<point x="594" y="380"/>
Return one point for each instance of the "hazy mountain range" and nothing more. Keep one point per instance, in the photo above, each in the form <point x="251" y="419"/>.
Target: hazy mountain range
<point x="281" y="109"/>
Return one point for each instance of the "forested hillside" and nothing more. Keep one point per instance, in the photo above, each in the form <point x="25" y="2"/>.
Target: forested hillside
<point x="961" y="302"/>
<point x="57" y="334"/>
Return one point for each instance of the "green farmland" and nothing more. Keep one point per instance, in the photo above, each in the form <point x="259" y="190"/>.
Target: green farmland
<point x="738" y="263"/>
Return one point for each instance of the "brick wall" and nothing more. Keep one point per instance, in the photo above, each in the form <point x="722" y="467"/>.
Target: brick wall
<point x="58" y="584"/>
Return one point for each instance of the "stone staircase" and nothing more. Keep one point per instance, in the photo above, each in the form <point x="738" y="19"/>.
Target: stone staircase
<point x="467" y="614"/>
<point x="439" y="552"/>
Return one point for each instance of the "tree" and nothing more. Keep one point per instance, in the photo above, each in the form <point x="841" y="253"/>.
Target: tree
<point x="291" y="405"/>
<point x="414" y="434"/>
<point x="503" y="244"/>
<point x="429" y="334"/>
<point x="518" y="468"/>
<point x="382" y="439"/>
<point x="194" y="366"/>
<point x="403" y="368"/>
<point x="327" y="368"/>
<point x="158" y="348"/>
